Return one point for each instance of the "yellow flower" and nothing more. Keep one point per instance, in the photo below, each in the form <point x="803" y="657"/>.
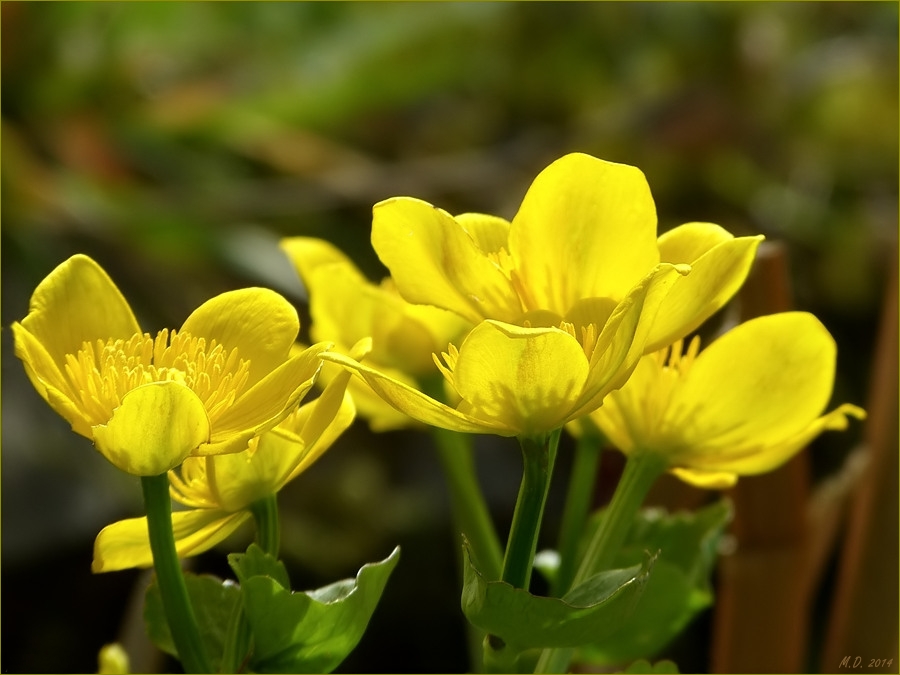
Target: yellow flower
<point x="527" y="381"/>
<point x="566" y="297"/>
<point x="149" y="402"/>
<point x="220" y="490"/>
<point x="582" y="239"/>
<point x="745" y="405"/>
<point x="346" y="307"/>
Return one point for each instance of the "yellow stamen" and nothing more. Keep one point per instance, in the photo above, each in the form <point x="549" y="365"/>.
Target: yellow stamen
<point x="101" y="373"/>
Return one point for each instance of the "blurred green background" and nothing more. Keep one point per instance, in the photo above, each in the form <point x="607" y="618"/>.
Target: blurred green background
<point x="176" y="142"/>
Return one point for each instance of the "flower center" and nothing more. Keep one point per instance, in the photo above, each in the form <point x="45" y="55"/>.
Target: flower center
<point x="101" y="373"/>
<point x="672" y="364"/>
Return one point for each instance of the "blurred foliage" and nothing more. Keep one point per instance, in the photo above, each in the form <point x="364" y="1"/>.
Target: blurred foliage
<point x="176" y="142"/>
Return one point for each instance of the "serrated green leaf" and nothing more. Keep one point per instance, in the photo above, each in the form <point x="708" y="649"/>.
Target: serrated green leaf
<point x="679" y="587"/>
<point x="593" y="610"/>
<point x="257" y="563"/>
<point x="213" y="601"/>
<point x="311" y="632"/>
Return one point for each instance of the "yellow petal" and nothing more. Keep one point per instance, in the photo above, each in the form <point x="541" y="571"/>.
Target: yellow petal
<point x="317" y="419"/>
<point x="48" y="380"/>
<point x="258" y="322"/>
<point x="346" y="307"/>
<point x="333" y="286"/>
<point x="125" y="544"/>
<point x="686" y="243"/>
<point x="417" y="405"/>
<point x="75" y="303"/>
<point x="527" y="379"/>
<point x="154" y="429"/>
<point x="341" y="421"/>
<point x="707" y="480"/>
<point x="624" y="337"/>
<point x="370" y="406"/>
<point x="755" y="458"/>
<point x="434" y="261"/>
<point x="283" y="452"/>
<point x="491" y="233"/>
<point x="309" y="253"/>
<point x="719" y="265"/>
<point x="586" y="228"/>
<point x="625" y="417"/>
<point x="271" y="399"/>
<point x="761" y="382"/>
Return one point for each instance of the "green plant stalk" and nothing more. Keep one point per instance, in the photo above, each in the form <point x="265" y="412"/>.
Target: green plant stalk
<point x="539" y="455"/>
<point x="470" y="511"/>
<point x="268" y="530"/>
<point x="641" y="471"/>
<point x="177" y="606"/>
<point x="579" y="498"/>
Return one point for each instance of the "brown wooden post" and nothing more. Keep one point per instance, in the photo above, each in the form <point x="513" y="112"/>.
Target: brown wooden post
<point x="864" y="616"/>
<point x="763" y="597"/>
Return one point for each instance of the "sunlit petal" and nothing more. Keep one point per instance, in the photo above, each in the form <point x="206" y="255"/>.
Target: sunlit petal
<point x="47" y="379"/>
<point x="155" y="428"/>
<point x="707" y="480"/>
<point x="719" y="265"/>
<point x="745" y="405"/>
<point x="766" y="379"/>
<point x="491" y="233"/>
<point x="586" y="228"/>
<point x="258" y="322"/>
<point x="76" y="303"/>
<point x="755" y="458"/>
<point x="526" y="379"/>
<point x="624" y="336"/>
<point x="417" y="405"/>
<point x="273" y="397"/>
<point x="434" y="261"/>
<point x="125" y="544"/>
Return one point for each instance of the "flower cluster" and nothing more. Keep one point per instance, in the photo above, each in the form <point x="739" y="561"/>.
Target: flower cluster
<point x="573" y="315"/>
<point x="558" y="308"/>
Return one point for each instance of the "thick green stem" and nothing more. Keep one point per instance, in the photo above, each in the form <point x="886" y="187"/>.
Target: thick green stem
<point x="641" y="471"/>
<point x="579" y="498"/>
<point x="470" y="511"/>
<point x="539" y="454"/>
<point x="177" y="606"/>
<point x="268" y="532"/>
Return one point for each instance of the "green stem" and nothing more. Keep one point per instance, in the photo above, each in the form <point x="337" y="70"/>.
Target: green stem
<point x="268" y="531"/>
<point x="641" y="471"/>
<point x="579" y="498"/>
<point x="176" y="604"/>
<point x="470" y="511"/>
<point x="539" y="455"/>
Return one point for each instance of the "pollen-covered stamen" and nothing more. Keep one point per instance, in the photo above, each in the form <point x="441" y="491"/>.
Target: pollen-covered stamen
<point x="101" y="373"/>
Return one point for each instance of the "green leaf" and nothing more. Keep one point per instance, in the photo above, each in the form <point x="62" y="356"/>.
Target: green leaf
<point x="213" y="601"/>
<point x="257" y="563"/>
<point x="313" y="631"/>
<point x="525" y="621"/>
<point x="679" y="587"/>
<point x="644" y="667"/>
